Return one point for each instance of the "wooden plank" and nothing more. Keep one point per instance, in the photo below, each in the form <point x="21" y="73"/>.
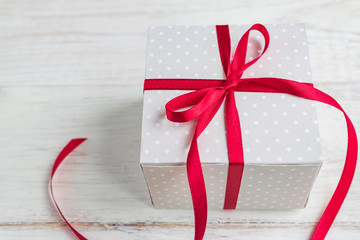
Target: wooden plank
<point x="174" y="231"/>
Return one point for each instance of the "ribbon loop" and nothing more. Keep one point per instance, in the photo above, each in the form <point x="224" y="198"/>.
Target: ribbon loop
<point x="239" y="64"/>
<point x="200" y="100"/>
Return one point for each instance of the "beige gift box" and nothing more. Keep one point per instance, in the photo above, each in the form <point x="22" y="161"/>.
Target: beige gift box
<point x="282" y="151"/>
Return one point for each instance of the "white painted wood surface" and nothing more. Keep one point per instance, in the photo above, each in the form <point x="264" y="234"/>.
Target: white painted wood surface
<point x="75" y="69"/>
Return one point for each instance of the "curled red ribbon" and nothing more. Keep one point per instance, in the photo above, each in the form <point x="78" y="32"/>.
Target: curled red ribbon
<point x="62" y="155"/>
<point x="205" y="102"/>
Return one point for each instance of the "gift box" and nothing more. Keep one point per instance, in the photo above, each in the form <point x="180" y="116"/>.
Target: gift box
<point x="280" y="137"/>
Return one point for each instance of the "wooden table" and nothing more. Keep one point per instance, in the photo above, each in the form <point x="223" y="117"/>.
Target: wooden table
<point x="75" y="69"/>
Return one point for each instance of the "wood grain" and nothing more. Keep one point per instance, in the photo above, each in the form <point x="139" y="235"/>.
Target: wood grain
<point x="75" y="69"/>
<point x="174" y="231"/>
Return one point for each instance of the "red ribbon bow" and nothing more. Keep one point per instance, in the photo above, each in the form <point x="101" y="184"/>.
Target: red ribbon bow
<point x="206" y="101"/>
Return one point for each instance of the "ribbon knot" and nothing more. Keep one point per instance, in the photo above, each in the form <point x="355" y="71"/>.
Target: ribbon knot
<point x="230" y="84"/>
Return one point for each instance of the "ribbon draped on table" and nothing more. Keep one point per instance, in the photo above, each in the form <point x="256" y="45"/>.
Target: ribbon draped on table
<point x="204" y="103"/>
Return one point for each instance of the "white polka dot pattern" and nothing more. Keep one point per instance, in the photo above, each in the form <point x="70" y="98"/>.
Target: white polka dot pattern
<point x="192" y="52"/>
<point x="276" y="186"/>
<point x="262" y="187"/>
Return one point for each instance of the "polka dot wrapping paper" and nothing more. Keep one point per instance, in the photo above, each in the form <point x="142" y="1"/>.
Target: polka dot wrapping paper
<point x="282" y="151"/>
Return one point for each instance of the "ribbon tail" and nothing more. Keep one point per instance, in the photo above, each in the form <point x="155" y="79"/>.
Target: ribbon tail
<point x="197" y="188"/>
<point x="62" y="155"/>
<point x="195" y="174"/>
<point x="235" y="152"/>
<point x="343" y="186"/>
<point x="312" y="93"/>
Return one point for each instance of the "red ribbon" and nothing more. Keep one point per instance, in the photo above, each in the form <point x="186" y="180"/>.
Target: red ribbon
<point x="62" y="155"/>
<point x="205" y="102"/>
